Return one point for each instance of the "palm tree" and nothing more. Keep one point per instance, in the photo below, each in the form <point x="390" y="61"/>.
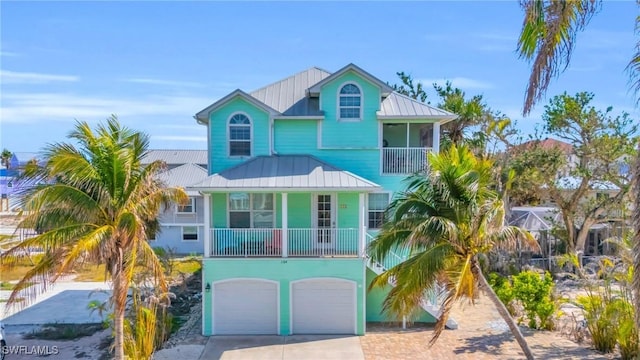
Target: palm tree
<point x="5" y="158"/>
<point x="447" y="220"/>
<point x="95" y="208"/>
<point x="547" y="39"/>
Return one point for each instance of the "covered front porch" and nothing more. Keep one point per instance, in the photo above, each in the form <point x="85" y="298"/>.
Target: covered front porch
<point x="285" y="206"/>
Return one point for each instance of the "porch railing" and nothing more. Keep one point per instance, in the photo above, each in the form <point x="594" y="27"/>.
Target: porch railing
<point x="268" y="242"/>
<point x="404" y="160"/>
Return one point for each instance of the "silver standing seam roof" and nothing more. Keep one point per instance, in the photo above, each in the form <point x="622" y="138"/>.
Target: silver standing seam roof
<point x="297" y="95"/>
<point x="401" y="106"/>
<point x="183" y="176"/>
<point x="284" y="172"/>
<point x="177" y="157"/>
<point x="289" y="96"/>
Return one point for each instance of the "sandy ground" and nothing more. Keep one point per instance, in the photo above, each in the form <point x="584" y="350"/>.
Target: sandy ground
<point x="27" y="349"/>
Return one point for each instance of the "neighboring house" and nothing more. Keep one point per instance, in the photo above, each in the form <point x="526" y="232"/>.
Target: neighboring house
<point x="300" y="174"/>
<point x="175" y="158"/>
<point x="182" y="227"/>
<point x="10" y="184"/>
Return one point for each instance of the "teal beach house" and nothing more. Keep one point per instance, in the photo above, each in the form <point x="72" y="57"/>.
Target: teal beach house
<point x="300" y="172"/>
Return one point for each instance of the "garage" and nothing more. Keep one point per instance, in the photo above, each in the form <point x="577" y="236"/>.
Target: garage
<point x="245" y="306"/>
<point x="323" y="306"/>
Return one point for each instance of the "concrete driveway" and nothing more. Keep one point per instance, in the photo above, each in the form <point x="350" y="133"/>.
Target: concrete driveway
<point x="283" y="347"/>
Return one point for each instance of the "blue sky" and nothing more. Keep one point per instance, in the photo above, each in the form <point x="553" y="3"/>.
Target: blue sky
<point x="155" y="64"/>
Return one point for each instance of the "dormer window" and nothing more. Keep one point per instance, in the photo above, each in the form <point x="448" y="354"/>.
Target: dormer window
<point x="239" y="135"/>
<point x="350" y="102"/>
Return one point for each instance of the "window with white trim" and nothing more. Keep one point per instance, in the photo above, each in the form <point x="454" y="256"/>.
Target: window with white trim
<point x="189" y="233"/>
<point x="251" y="210"/>
<point x="350" y="102"/>
<point x="239" y="135"/>
<point x="377" y="204"/>
<point x="188" y="208"/>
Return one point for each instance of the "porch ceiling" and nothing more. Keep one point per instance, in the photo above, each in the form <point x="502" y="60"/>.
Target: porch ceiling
<point x="284" y="173"/>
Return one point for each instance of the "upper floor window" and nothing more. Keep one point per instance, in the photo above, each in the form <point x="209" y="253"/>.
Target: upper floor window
<point x="350" y="102"/>
<point x="239" y="135"/>
<point x="189" y="207"/>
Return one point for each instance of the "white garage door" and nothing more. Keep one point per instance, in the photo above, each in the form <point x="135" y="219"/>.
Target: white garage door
<point x="245" y="307"/>
<point x="323" y="306"/>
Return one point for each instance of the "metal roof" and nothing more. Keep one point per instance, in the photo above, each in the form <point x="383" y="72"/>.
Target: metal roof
<point x="203" y="115"/>
<point x="284" y="172"/>
<point x="384" y="87"/>
<point x="289" y="96"/>
<point x="183" y="176"/>
<point x="177" y="157"/>
<point x="401" y="106"/>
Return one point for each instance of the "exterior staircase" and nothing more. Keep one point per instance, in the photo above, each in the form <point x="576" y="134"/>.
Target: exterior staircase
<point x="430" y="303"/>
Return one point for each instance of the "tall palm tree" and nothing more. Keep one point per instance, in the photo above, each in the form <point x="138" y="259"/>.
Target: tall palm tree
<point x="95" y="208"/>
<point x="446" y="219"/>
<point x="5" y="158"/>
<point x="547" y="40"/>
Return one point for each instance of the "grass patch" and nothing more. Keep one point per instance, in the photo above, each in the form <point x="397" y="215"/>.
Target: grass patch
<point x="64" y="331"/>
<point x="91" y="273"/>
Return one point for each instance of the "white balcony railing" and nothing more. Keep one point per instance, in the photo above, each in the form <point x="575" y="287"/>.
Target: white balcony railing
<point x="404" y="160"/>
<point x="266" y="242"/>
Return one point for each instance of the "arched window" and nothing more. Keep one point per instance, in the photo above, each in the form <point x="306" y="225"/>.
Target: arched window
<point x="350" y="102"/>
<point x="239" y="135"/>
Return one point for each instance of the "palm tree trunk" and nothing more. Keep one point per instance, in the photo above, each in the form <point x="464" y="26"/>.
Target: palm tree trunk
<point x="119" y="304"/>
<point x="502" y="310"/>
<point x="636" y="242"/>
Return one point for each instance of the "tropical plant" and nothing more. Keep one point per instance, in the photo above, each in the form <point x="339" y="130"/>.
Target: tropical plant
<point x="445" y="219"/>
<point x="95" y="207"/>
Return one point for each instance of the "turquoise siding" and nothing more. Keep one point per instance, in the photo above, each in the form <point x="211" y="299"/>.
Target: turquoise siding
<point x="340" y="134"/>
<point x="218" y="127"/>
<point x="299" y="210"/>
<point x="348" y="213"/>
<point x="284" y="271"/>
<point x="219" y="213"/>
<point x="375" y="299"/>
<point x="295" y="136"/>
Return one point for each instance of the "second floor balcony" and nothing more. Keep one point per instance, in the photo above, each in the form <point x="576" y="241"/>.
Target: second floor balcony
<point x="405" y="146"/>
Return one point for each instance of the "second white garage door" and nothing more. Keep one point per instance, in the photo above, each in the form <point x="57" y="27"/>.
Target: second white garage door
<point x="245" y="306"/>
<point x="323" y="306"/>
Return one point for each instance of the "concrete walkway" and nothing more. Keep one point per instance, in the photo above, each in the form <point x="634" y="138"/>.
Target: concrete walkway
<point x="282" y="347"/>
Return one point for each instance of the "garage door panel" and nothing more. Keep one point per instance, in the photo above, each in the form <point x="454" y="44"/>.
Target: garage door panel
<point x="245" y="307"/>
<point x="323" y="306"/>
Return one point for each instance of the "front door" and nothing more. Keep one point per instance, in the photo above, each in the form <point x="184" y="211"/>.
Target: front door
<point x="325" y="221"/>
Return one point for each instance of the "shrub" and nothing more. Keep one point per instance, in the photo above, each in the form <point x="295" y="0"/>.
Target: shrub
<point x="600" y="319"/>
<point x="535" y="293"/>
<point x="503" y="289"/>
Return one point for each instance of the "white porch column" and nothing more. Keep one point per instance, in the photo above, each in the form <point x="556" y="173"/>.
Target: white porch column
<point x="436" y="137"/>
<point x="207" y="225"/>
<point x="285" y="226"/>
<point x="361" y="224"/>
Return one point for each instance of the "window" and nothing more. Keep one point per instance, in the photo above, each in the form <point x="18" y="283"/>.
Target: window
<point x="189" y="208"/>
<point x="239" y="135"/>
<point x="251" y="210"/>
<point x="189" y="233"/>
<point x="377" y="205"/>
<point x="350" y="102"/>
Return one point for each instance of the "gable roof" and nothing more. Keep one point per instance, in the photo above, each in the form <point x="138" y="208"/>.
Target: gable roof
<point x="296" y="96"/>
<point x="401" y="106"/>
<point x="384" y="87"/>
<point x="176" y="157"/>
<point x="289" y="96"/>
<point x="548" y="144"/>
<point x="203" y="115"/>
<point x="183" y="176"/>
<point x="284" y="173"/>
